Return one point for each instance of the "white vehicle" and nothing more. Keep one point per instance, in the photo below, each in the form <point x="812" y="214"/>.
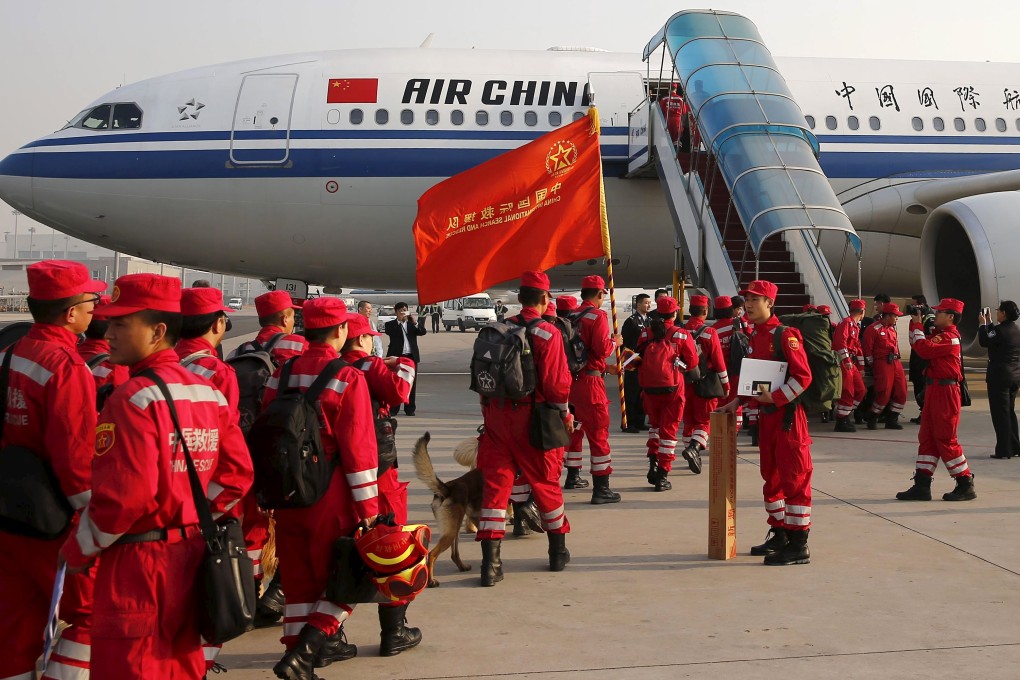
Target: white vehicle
<point x="386" y="313"/>
<point x="473" y="311"/>
<point x="235" y="303"/>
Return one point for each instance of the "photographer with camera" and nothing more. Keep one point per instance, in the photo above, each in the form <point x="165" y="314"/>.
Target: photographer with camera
<point x="919" y="307"/>
<point x="1003" y="377"/>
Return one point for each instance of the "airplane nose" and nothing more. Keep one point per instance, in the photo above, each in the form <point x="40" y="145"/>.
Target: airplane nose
<point x="16" y="171"/>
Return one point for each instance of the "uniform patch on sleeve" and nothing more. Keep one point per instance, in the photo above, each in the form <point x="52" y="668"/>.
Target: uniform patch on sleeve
<point x="937" y="338"/>
<point x="105" y="436"/>
<point x="792" y="342"/>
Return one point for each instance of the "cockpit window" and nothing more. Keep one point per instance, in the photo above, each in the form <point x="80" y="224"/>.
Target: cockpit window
<point x="76" y="121"/>
<point x="127" y="117"/>
<point x="97" y="119"/>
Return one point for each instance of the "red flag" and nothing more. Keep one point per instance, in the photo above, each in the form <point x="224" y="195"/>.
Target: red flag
<point x="531" y="208"/>
<point x="352" y="91"/>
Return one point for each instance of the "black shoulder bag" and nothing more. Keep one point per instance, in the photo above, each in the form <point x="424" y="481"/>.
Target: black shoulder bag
<point x="31" y="500"/>
<point x="227" y="576"/>
<point x="964" y="390"/>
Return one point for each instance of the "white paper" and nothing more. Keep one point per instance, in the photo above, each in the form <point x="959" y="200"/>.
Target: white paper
<point x="757" y="372"/>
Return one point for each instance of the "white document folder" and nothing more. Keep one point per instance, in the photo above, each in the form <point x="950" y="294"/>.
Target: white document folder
<point x="754" y="373"/>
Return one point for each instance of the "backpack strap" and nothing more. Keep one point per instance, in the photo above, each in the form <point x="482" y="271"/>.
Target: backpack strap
<point x="271" y="343"/>
<point x="284" y="383"/>
<point x="328" y="373"/>
<point x="96" y="360"/>
<point x="191" y="358"/>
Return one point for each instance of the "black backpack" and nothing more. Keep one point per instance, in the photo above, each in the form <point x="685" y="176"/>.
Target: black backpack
<point x="502" y="365"/>
<point x="573" y="345"/>
<point x="292" y="469"/>
<point x="708" y="385"/>
<point x="253" y="363"/>
<point x="385" y="431"/>
<point x="740" y="347"/>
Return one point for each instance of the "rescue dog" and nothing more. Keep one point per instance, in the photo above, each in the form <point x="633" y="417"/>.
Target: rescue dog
<point x="453" y="501"/>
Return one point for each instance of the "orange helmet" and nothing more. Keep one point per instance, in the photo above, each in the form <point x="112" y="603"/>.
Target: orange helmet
<point x="397" y="556"/>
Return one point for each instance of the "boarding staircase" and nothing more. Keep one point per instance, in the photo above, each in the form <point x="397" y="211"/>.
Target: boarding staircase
<point x="749" y="200"/>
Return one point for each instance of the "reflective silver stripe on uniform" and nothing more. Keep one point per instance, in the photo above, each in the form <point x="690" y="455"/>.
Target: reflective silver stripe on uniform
<point x="289" y="344"/>
<point x="959" y="461"/>
<point x="73" y="650"/>
<point x="406" y="373"/>
<point x="101" y="371"/>
<point x="590" y="315"/>
<point x="364" y="493"/>
<point x="180" y="392"/>
<point x="201" y="371"/>
<point x="90" y="538"/>
<point x="954" y="341"/>
<point x="519" y="493"/>
<point x="210" y="652"/>
<point x="306" y="381"/>
<point x="273" y="383"/>
<point x="363" y="484"/>
<point x="213" y="491"/>
<point x="542" y="333"/>
<point x="916" y="335"/>
<point x="554" y="519"/>
<point x="926" y="462"/>
<point x="681" y="364"/>
<point x="600" y="463"/>
<point x="23" y="676"/>
<point x="293" y="628"/>
<point x="491" y="525"/>
<point x="798" y="515"/>
<point x="64" y="671"/>
<point x="776" y="509"/>
<point x="29" y="369"/>
<point x="80" y="500"/>
<point x="338" y="612"/>
<point x="700" y="436"/>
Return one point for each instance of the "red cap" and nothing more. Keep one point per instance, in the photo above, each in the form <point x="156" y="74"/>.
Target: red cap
<point x="135" y="292"/>
<point x="723" y="302"/>
<point x="763" y="288"/>
<point x="202" y="301"/>
<point x="699" y="301"/>
<point x="323" y="312"/>
<point x="858" y="305"/>
<point x="666" y="305"/>
<point x="59" y="279"/>
<point x="103" y="300"/>
<point x="358" y="325"/>
<point x="566" y="303"/>
<point x="824" y="310"/>
<point x="809" y="308"/>
<point x="892" y="308"/>
<point x="594" y="281"/>
<point x="950" y="305"/>
<point x="274" y="301"/>
<point x="535" y="280"/>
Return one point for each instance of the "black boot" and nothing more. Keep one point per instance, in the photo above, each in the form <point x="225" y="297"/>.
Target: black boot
<point x="271" y="605"/>
<point x="795" y="552"/>
<point x="825" y="417"/>
<point x="574" y="479"/>
<point x="661" y="483"/>
<point x="920" y="491"/>
<point x="892" y="422"/>
<point x="492" y="565"/>
<point x="775" y="541"/>
<point x="526" y="518"/>
<point x="558" y="553"/>
<point x="964" y="490"/>
<point x="395" y="636"/>
<point x="299" y="662"/>
<point x="336" y="649"/>
<point x="653" y="470"/>
<point x="602" y="494"/>
<point x="844" y="425"/>
<point x="692" y="454"/>
<point x="871" y="418"/>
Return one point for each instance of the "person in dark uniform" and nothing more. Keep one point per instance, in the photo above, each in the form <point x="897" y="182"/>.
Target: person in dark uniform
<point x="1003" y="377"/>
<point x="631" y="333"/>
<point x="916" y="364"/>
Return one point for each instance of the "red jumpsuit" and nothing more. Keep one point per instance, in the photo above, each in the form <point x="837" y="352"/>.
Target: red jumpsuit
<point x="305" y="536"/>
<point x="105" y="373"/>
<point x="588" y="394"/>
<point x="846" y="343"/>
<point x="697" y="410"/>
<point x="51" y="410"/>
<point x="665" y="410"/>
<point x="674" y="108"/>
<point x="287" y="347"/>
<point x="941" y="413"/>
<point x="724" y="328"/>
<point x="505" y="446"/>
<point x="785" y="454"/>
<point x="145" y="623"/>
<point x="882" y="353"/>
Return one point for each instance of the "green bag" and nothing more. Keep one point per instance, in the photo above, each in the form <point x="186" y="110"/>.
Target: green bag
<point x="826" y="376"/>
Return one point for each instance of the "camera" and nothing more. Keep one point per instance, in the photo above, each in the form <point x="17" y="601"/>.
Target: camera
<point x="913" y="309"/>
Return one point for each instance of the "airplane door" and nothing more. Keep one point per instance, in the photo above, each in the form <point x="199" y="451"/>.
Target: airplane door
<point x="615" y="94"/>
<point x="261" y="132"/>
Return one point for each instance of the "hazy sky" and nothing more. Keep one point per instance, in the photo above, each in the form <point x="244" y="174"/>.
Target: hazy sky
<point x="56" y="56"/>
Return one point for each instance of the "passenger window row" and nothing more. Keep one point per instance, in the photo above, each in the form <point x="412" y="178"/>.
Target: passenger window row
<point x="432" y="117"/>
<point x="937" y="123"/>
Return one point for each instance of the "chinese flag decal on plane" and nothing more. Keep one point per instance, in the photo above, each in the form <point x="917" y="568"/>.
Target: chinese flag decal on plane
<point x="352" y="91"/>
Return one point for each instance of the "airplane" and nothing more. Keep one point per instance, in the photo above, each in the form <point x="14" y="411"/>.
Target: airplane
<point x="306" y="168"/>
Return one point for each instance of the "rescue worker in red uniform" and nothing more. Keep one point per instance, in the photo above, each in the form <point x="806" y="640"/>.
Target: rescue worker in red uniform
<point x="665" y="409"/>
<point x="674" y="108"/>
<point x="566" y="305"/>
<point x="697" y="410"/>
<point x="51" y="410"/>
<point x="142" y="515"/>
<point x="505" y="446"/>
<point x="276" y="317"/>
<point x="846" y="342"/>
<point x="727" y="323"/>
<point x="305" y="536"/>
<point x="105" y="372"/>
<point x="941" y="413"/>
<point x="588" y="394"/>
<point x="882" y="352"/>
<point x="783" y="440"/>
<point x="389" y="384"/>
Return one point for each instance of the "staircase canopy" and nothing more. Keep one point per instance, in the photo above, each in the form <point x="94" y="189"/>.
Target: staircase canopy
<point x="747" y="117"/>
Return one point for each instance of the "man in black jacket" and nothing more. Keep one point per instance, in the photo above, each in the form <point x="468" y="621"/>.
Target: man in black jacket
<point x="1003" y="376"/>
<point x="403" y="333"/>
<point x="632" y="328"/>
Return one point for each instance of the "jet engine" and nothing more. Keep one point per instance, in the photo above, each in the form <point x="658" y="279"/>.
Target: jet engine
<point x="969" y="252"/>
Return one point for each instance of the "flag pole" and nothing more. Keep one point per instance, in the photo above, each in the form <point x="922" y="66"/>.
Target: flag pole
<point x="593" y="114"/>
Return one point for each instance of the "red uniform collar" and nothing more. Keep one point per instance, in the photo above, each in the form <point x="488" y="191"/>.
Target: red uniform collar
<point x="771" y="322"/>
<point x="192" y="345"/>
<point x="94" y="345"/>
<point x="163" y="356"/>
<point x="530" y="313"/>
<point x="320" y="349"/>
<point x="49" y="333"/>
<point x="353" y="355"/>
<point x="694" y="323"/>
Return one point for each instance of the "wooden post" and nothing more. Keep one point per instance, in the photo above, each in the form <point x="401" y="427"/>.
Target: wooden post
<point x="722" y="487"/>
